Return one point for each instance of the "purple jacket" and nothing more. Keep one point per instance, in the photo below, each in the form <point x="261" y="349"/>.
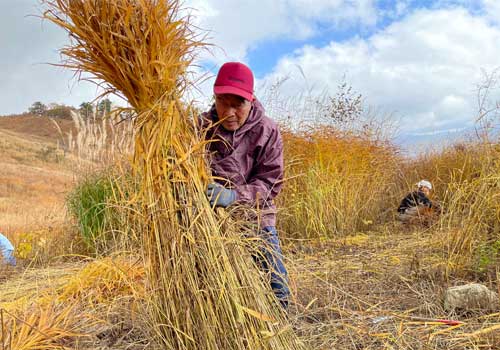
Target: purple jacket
<point x="250" y="159"/>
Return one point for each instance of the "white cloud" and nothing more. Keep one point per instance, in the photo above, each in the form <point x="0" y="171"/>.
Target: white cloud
<point x="28" y="46"/>
<point x="237" y="26"/>
<point x="424" y="67"/>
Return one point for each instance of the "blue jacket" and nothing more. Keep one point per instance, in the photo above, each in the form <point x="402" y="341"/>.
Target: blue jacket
<point x="7" y="251"/>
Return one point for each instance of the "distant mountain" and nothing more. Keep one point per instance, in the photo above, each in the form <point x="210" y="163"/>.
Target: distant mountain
<point x="414" y="143"/>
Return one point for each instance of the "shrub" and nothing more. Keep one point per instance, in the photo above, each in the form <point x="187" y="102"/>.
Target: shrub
<point x="94" y="205"/>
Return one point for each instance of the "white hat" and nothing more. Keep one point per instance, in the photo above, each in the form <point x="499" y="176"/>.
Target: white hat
<point x="424" y="183"/>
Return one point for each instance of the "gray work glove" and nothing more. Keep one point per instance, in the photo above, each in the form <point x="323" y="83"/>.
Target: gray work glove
<point x="220" y="196"/>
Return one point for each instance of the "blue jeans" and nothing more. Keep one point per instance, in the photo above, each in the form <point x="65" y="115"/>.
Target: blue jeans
<point x="270" y="260"/>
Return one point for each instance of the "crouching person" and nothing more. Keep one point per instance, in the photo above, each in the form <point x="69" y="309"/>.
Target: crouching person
<point x="417" y="203"/>
<point x="246" y="153"/>
<point x="7" y="252"/>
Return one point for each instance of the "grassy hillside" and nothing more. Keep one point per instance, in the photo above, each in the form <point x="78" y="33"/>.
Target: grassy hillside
<point x="35" y="177"/>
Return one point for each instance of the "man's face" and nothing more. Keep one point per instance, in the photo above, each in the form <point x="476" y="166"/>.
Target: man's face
<point x="425" y="190"/>
<point x="232" y="110"/>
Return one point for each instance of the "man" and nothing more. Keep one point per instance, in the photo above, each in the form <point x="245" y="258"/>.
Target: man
<point x="415" y="202"/>
<point x="246" y="158"/>
<point x="6" y="251"/>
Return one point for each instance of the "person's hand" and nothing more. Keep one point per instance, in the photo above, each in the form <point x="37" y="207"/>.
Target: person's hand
<point x="220" y="196"/>
<point x="437" y="207"/>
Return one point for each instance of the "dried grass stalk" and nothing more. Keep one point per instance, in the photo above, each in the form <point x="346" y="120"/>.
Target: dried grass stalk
<point x="205" y="290"/>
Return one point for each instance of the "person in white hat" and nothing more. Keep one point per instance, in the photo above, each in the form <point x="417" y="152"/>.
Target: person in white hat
<point x="410" y="205"/>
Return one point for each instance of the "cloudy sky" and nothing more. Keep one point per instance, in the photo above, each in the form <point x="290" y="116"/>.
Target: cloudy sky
<point x="420" y="60"/>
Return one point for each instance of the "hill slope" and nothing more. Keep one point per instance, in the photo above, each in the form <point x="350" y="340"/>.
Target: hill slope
<point x="34" y="177"/>
<point x="36" y="128"/>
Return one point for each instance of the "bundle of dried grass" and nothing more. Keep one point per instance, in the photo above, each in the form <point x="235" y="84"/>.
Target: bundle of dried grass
<point x="205" y="289"/>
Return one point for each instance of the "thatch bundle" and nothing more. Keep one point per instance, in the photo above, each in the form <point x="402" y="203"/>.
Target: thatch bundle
<point x="206" y="292"/>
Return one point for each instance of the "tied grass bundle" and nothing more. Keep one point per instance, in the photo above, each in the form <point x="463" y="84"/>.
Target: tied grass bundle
<point x="206" y="292"/>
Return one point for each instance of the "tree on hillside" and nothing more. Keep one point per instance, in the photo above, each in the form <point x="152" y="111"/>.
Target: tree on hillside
<point x="86" y="109"/>
<point x="104" y="107"/>
<point x="55" y="110"/>
<point x="38" y="108"/>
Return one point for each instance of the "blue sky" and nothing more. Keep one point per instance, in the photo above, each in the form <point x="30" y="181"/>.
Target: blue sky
<point x="418" y="61"/>
<point x="265" y="53"/>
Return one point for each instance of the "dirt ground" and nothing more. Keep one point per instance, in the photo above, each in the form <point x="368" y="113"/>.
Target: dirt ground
<point x="369" y="291"/>
<point x="382" y="290"/>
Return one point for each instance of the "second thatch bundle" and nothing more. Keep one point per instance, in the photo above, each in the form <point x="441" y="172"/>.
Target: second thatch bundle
<point x="206" y="292"/>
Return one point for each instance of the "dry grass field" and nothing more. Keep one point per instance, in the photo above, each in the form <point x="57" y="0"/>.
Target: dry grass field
<point x="380" y="287"/>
